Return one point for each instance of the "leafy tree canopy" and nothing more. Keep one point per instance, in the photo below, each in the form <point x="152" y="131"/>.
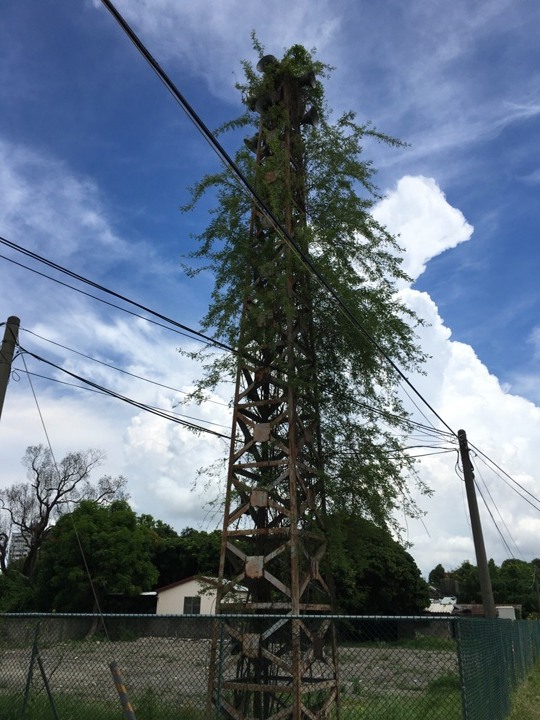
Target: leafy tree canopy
<point x="436" y="576"/>
<point x="514" y="582"/>
<point x="361" y="415"/>
<point x="117" y="550"/>
<point x="177" y="556"/>
<point x="372" y="572"/>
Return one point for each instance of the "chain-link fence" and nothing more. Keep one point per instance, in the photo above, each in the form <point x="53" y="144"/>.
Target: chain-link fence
<point x="494" y="657"/>
<point x="58" y="667"/>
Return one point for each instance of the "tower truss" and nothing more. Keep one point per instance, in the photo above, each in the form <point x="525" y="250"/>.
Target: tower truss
<point x="276" y="656"/>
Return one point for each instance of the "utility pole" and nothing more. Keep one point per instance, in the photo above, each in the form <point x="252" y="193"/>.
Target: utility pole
<point x="11" y="334"/>
<point x="478" y="538"/>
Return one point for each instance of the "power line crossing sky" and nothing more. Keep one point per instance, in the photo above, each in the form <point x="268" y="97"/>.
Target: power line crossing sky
<point x="96" y="159"/>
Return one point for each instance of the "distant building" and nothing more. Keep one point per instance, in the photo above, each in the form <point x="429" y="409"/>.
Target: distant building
<point x="17" y="548"/>
<point x="442" y="606"/>
<point x="191" y="596"/>
<point x="477" y="610"/>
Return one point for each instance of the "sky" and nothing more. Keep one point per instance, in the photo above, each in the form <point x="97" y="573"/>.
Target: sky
<point x="96" y="161"/>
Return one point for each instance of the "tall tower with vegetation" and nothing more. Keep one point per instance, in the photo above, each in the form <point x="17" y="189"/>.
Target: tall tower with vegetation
<point x="307" y="436"/>
<point x="283" y="665"/>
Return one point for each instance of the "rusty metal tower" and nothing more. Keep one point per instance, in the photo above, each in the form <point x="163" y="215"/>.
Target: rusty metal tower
<point x="282" y="665"/>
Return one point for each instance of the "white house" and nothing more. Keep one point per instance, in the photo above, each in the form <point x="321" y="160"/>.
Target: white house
<point x="191" y="596"/>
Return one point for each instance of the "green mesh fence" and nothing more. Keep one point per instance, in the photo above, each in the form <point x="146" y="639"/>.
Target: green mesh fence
<point x="494" y="657"/>
<point x="57" y="667"/>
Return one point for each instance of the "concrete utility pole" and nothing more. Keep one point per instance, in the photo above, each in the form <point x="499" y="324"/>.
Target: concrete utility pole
<point x="479" y="547"/>
<point x="11" y="334"/>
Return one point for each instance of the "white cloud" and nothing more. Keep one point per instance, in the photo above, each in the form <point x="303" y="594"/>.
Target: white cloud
<point x="215" y="35"/>
<point x="504" y="426"/>
<point x="426" y="224"/>
<point x="47" y="207"/>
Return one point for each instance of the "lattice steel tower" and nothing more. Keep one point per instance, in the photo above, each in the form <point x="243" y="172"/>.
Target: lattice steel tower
<point x="284" y="666"/>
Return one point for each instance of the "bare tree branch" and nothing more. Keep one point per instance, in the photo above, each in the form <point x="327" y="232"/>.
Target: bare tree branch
<point x="31" y="508"/>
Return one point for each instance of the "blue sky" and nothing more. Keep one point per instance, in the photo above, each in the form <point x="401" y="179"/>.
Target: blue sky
<point x="95" y="162"/>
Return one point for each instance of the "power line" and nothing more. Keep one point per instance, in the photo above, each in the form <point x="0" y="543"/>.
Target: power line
<point x="493" y="519"/>
<point x="113" y="367"/>
<point x="515" y="482"/>
<point x="102" y="288"/>
<point x="102" y="300"/>
<point x="231" y="164"/>
<point x="105" y="392"/>
<point x="141" y="406"/>
<point x="497" y="509"/>
<point x="523" y="497"/>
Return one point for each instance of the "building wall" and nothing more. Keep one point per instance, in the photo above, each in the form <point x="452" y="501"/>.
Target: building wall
<point x="171" y="600"/>
<point x="17" y="548"/>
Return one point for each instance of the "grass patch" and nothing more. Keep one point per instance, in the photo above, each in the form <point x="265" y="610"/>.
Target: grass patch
<point x="526" y="699"/>
<point x="440" y="701"/>
<point x="147" y="707"/>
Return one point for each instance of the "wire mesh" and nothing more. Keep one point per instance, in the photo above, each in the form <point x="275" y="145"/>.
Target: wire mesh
<point x="494" y="657"/>
<point x="414" y="668"/>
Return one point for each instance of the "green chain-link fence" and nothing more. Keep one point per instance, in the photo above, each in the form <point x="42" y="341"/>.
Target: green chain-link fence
<point x="494" y="657"/>
<point x="58" y="667"/>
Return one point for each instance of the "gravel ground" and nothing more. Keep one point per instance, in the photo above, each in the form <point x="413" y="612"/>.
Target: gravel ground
<point x="174" y="668"/>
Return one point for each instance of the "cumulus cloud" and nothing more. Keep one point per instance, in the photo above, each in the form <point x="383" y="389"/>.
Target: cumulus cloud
<point x="163" y="461"/>
<point x="461" y="388"/>
<point x="501" y="425"/>
<point x="425" y="223"/>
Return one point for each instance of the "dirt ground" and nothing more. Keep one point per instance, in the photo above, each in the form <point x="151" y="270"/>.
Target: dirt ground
<point x="173" y="668"/>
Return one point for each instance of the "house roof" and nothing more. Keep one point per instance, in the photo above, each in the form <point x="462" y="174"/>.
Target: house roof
<point x="440" y="608"/>
<point x="208" y="582"/>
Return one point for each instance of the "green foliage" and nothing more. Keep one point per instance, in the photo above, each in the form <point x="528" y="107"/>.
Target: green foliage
<point x="147" y="707"/>
<point x="436" y="576"/>
<point x="17" y="592"/>
<point x="117" y="551"/>
<point x="514" y="582"/>
<point x="175" y="557"/>
<point x="361" y="415"/>
<point x="372" y="573"/>
<point x="440" y="701"/>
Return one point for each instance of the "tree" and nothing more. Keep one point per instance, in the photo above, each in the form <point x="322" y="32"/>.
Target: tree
<point x="468" y="583"/>
<point x="513" y="583"/>
<point x="372" y="572"/>
<point x="436" y="576"/>
<point x="4" y="543"/>
<point x="361" y="415"/>
<point x="102" y="544"/>
<point x="193" y="552"/>
<point x="31" y="508"/>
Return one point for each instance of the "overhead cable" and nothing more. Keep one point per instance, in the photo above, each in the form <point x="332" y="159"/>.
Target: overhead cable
<point x="493" y="519"/>
<point x="230" y="163"/>
<point x="108" y="291"/>
<point x="117" y="369"/>
<point x="515" y="482"/>
<point x="141" y="406"/>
